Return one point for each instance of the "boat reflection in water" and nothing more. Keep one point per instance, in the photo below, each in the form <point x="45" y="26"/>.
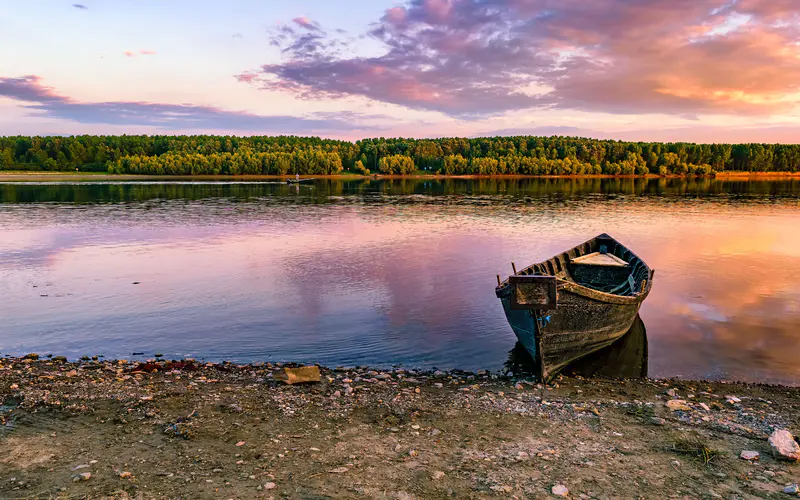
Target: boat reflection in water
<point x="625" y="358"/>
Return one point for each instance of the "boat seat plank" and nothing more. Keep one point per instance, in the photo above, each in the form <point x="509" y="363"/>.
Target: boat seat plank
<point x="600" y="259"/>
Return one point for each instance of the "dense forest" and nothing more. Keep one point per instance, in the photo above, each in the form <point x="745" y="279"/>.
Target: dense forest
<point x="525" y="155"/>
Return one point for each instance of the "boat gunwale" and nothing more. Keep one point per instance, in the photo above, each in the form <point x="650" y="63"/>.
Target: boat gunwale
<point x="578" y="289"/>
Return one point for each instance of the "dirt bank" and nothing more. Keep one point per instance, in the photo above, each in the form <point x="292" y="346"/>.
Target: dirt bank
<point x="169" y="430"/>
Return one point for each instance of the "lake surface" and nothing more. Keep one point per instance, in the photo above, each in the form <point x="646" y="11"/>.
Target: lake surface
<point x="390" y="272"/>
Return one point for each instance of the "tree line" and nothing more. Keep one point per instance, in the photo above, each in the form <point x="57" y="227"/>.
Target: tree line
<point x="527" y="155"/>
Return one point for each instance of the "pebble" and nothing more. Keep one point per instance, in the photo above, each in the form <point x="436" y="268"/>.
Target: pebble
<point x="792" y="489"/>
<point x="672" y="393"/>
<point x="749" y="455"/>
<point x="658" y="421"/>
<point x="559" y="490"/>
<point x="85" y="476"/>
<point x="125" y="475"/>
<point x="270" y="486"/>
<point x="438" y="474"/>
<point x="677" y="404"/>
<point x="240" y="443"/>
<point x="784" y="446"/>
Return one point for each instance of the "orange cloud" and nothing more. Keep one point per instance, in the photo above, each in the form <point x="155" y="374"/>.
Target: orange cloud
<point x="684" y="57"/>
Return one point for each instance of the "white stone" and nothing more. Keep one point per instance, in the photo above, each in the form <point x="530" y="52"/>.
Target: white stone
<point x="749" y="455"/>
<point x="784" y="446"/>
<point x="559" y="490"/>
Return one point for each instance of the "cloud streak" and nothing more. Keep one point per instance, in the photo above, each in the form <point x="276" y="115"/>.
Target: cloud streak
<point x="46" y="102"/>
<point x="476" y="58"/>
<point x="80" y="6"/>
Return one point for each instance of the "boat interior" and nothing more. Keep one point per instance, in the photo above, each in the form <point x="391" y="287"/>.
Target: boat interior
<point x="601" y="264"/>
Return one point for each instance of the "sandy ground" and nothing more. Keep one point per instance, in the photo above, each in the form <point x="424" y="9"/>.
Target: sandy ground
<point x="187" y="430"/>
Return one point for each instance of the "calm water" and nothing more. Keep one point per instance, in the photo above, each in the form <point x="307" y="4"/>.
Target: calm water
<point x="389" y="272"/>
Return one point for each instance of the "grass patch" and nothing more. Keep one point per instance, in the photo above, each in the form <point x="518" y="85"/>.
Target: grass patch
<point x="692" y="444"/>
<point x="643" y="412"/>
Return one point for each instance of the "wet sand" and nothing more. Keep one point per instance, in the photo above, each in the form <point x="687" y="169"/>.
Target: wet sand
<point x="119" y="429"/>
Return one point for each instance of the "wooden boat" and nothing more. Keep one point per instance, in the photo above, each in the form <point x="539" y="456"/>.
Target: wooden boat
<point x="575" y="303"/>
<point x="625" y="358"/>
<point x="298" y="181"/>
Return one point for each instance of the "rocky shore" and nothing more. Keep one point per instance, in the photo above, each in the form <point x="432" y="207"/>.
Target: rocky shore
<point x="185" y="429"/>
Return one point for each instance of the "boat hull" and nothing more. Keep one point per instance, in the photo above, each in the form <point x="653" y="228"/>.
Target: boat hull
<point x="579" y="326"/>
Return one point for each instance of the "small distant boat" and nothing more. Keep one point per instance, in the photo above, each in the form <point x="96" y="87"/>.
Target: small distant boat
<point x="298" y="181"/>
<point x="575" y="303"/>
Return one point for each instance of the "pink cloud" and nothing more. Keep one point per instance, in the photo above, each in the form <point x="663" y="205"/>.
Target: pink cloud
<point x="44" y="101"/>
<point x="395" y="15"/>
<point x="247" y="77"/>
<point x="130" y="53"/>
<point x="148" y="52"/>
<point x="619" y="56"/>
<point x="306" y="23"/>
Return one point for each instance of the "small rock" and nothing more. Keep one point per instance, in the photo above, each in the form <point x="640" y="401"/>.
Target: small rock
<point x="240" y="443"/>
<point x="792" y="489"/>
<point x="270" y="486"/>
<point x="85" y="476"/>
<point x="125" y="475"/>
<point x="749" y="455"/>
<point x="769" y="473"/>
<point x="705" y="407"/>
<point x="672" y="392"/>
<point x="657" y="421"/>
<point x="300" y="375"/>
<point x="677" y="404"/>
<point x="413" y="453"/>
<point x="518" y="387"/>
<point x="559" y="490"/>
<point x="784" y="446"/>
<point x="339" y="470"/>
<point x="732" y="399"/>
<point x="438" y="474"/>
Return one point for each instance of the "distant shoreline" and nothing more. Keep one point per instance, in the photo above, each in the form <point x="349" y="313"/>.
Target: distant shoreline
<point x="26" y="175"/>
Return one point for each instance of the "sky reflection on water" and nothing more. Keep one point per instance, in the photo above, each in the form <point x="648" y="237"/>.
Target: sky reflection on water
<point x="343" y="278"/>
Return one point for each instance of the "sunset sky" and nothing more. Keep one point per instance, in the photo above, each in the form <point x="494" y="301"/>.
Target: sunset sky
<point x="661" y="70"/>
